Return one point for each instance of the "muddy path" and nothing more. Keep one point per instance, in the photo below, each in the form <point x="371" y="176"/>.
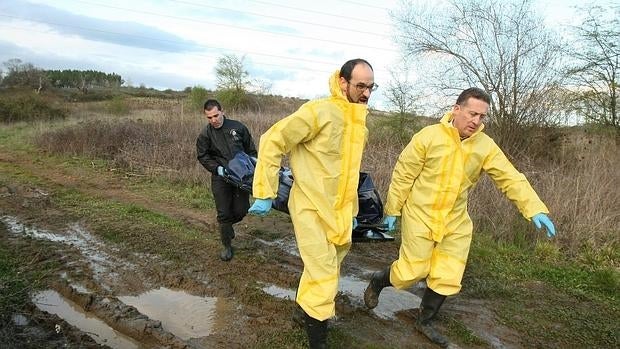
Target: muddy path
<point x="160" y="289"/>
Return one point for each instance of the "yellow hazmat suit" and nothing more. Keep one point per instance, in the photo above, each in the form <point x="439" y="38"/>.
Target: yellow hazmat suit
<point x="429" y="189"/>
<point x="324" y="139"/>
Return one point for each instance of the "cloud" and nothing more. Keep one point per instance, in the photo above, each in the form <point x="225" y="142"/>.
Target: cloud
<point x="116" y="32"/>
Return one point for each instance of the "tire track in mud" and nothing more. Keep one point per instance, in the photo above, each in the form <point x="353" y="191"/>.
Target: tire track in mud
<point x="257" y="256"/>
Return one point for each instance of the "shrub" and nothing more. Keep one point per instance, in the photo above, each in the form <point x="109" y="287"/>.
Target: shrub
<point x="28" y="107"/>
<point x="117" y="106"/>
<point x="197" y="97"/>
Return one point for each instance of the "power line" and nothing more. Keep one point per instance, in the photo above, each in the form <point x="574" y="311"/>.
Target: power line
<point x="339" y="16"/>
<point x="279" y="18"/>
<point x="366" y="5"/>
<point x="242" y="28"/>
<point x="164" y="40"/>
<point x="261" y="63"/>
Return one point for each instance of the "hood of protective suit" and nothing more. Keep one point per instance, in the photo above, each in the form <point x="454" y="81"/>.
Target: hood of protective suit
<point x="334" y="86"/>
<point x="324" y="139"/>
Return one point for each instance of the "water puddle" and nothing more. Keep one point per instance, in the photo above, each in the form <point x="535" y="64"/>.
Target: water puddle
<point x="287" y="245"/>
<point x="180" y="313"/>
<point x="391" y="300"/>
<point x="280" y="292"/>
<point x="52" y="302"/>
<point x="20" y="320"/>
<point x="80" y="288"/>
<point x="101" y="263"/>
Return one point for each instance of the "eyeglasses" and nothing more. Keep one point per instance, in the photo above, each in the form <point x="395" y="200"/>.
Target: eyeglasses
<point x="361" y="87"/>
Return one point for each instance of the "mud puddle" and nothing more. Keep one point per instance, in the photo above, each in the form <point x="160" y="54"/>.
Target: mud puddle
<point x="287" y="245"/>
<point x="52" y="302"/>
<point x="104" y="266"/>
<point x="180" y="313"/>
<point x="391" y="300"/>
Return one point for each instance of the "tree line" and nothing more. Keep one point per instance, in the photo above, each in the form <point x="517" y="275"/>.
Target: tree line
<point x="18" y="74"/>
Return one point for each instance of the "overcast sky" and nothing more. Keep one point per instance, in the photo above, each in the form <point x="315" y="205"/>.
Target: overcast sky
<point x="292" y="45"/>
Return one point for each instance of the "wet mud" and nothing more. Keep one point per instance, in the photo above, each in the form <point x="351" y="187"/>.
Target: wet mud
<point x="137" y="299"/>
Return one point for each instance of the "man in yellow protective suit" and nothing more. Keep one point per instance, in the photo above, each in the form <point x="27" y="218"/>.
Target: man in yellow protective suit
<point x="324" y="139"/>
<point x="429" y="189"/>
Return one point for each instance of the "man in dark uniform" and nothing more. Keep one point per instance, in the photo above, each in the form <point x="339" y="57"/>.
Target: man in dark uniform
<point x="217" y="144"/>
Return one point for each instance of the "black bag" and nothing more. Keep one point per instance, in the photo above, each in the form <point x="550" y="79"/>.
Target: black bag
<point x="240" y="171"/>
<point x="280" y="203"/>
<point x="370" y="213"/>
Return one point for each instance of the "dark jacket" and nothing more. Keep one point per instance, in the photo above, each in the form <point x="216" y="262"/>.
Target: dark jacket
<point x="215" y="147"/>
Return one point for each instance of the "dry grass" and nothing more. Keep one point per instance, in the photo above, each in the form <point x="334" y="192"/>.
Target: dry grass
<point x="158" y="138"/>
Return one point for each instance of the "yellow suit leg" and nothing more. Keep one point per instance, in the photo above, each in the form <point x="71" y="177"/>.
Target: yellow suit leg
<point x="414" y="257"/>
<point x="449" y="260"/>
<point x="319" y="281"/>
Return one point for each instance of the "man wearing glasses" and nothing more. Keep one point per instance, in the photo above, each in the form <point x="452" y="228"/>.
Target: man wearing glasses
<point x="429" y="189"/>
<point x="216" y="145"/>
<point x="324" y="140"/>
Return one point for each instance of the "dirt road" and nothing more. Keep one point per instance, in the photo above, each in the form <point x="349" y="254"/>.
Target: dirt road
<point x="119" y="283"/>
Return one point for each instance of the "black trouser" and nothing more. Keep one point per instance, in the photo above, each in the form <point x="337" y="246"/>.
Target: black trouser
<point x="231" y="203"/>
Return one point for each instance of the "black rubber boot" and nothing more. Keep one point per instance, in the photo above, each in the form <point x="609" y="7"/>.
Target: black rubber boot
<point x="299" y="316"/>
<point x="227" y="233"/>
<point x="317" y="332"/>
<point x="378" y="281"/>
<point x="431" y="302"/>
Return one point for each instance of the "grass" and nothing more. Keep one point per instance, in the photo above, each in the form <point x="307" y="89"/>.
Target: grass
<point x="457" y="329"/>
<point x="115" y="221"/>
<point x="562" y="291"/>
<point x="20" y="274"/>
<point x="14" y="285"/>
<point x="190" y="195"/>
<point x="550" y="299"/>
<point x="127" y="223"/>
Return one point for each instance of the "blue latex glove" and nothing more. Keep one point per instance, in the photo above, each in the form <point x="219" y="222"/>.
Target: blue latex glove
<point x="390" y="221"/>
<point x="540" y="220"/>
<point x="260" y="207"/>
<point x="354" y="223"/>
<point x="221" y="171"/>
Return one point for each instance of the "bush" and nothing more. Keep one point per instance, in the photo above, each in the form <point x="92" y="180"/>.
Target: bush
<point x="117" y="106"/>
<point x="197" y="97"/>
<point x="237" y="100"/>
<point x="28" y="107"/>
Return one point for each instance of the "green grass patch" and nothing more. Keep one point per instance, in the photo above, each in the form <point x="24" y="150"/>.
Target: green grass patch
<point x="29" y="107"/>
<point x="542" y="294"/>
<point x="284" y="338"/>
<point x="113" y="216"/>
<point x="457" y="329"/>
<point x="189" y="195"/>
<point x="14" y="285"/>
<point x="15" y="137"/>
<point x="19" y="276"/>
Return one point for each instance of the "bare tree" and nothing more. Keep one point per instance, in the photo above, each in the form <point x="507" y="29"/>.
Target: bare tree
<point x="500" y="46"/>
<point x="400" y="92"/>
<point x="595" y="72"/>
